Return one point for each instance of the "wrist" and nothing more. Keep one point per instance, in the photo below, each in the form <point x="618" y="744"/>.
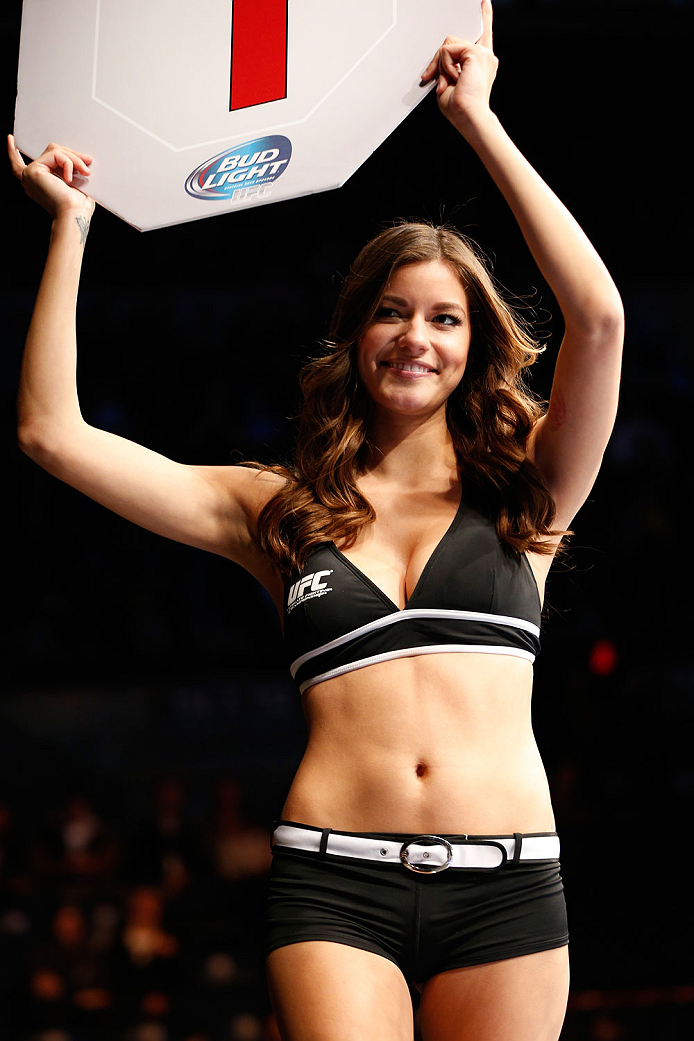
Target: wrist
<point x="73" y="220"/>
<point x="474" y="121"/>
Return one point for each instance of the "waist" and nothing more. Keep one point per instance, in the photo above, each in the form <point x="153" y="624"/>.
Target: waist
<point x="423" y="853"/>
<point x="436" y="741"/>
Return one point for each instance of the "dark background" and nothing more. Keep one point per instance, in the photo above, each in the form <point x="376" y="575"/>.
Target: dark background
<point x="135" y="666"/>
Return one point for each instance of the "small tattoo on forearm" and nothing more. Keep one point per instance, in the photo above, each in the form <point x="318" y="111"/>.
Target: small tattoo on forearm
<point x="83" y="225"/>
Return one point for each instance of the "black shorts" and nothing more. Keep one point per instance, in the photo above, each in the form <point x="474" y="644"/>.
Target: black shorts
<point x="425" y="923"/>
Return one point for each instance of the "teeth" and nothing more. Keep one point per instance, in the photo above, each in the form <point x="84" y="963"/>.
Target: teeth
<point x="406" y="366"/>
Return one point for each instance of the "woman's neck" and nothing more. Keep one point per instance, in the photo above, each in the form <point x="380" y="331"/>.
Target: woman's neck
<point x="414" y="451"/>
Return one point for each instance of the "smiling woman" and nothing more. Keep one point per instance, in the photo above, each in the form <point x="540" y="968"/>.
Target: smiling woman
<point x="406" y="550"/>
<point x="420" y="293"/>
<point x="412" y="355"/>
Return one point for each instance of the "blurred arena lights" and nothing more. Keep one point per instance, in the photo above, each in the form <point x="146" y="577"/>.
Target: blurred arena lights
<point x="603" y="658"/>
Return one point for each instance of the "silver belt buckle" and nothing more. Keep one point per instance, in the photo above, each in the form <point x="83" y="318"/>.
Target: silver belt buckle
<point x="426" y="869"/>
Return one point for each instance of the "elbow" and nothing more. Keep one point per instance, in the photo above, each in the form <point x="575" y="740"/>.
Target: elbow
<point x="604" y="309"/>
<point x="42" y="430"/>
<point x="36" y="442"/>
<point x="28" y="440"/>
<point x="49" y="445"/>
<point x="600" y="321"/>
<point x="611" y="316"/>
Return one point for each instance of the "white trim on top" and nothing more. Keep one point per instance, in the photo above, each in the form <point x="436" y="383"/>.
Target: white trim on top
<point x="404" y="615"/>
<point x="411" y="652"/>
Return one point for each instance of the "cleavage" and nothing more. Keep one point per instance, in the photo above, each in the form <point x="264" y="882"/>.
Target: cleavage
<point x="396" y="582"/>
<point x="399" y="580"/>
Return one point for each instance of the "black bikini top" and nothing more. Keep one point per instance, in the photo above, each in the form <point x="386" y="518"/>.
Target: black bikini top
<point x="472" y="596"/>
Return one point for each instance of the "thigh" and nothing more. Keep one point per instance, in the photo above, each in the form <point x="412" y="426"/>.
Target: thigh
<point x="518" y="999"/>
<point x="325" y="991"/>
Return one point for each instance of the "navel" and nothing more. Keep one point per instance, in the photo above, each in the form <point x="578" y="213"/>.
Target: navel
<point x="421" y="769"/>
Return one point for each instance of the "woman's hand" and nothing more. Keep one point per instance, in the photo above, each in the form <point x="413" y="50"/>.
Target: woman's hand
<point x="49" y="179"/>
<point x="466" y="72"/>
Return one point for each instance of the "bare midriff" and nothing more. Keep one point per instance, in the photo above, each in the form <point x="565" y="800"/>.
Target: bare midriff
<point x="434" y="743"/>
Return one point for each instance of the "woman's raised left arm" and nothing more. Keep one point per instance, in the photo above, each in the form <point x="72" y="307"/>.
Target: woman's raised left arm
<point x="568" y="443"/>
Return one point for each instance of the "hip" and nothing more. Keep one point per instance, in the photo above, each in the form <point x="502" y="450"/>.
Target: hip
<point x="429" y="903"/>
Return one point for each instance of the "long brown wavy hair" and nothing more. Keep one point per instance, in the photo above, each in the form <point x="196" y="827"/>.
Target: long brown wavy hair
<point x="489" y="414"/>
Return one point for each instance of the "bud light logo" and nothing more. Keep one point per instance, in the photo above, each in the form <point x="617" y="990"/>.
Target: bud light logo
<point x="251" y="165"/>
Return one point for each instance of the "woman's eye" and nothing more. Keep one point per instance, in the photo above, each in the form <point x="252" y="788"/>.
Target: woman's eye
<point x="384" y="313"/>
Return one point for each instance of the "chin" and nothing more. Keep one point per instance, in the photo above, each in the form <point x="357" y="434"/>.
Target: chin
<point x="409" y="405"/>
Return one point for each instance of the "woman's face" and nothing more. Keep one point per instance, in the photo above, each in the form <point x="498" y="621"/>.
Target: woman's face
<point x="413" y="353"/>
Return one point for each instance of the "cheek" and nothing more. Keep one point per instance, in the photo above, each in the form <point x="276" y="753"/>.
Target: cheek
<point x="470" y="358"/>
<point x="459" y="359"/>
<point x="465" y="354"/>
<point x="365" y="358"/>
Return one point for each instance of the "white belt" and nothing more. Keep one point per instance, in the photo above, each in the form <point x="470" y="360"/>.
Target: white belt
<point x="425" y="854"/>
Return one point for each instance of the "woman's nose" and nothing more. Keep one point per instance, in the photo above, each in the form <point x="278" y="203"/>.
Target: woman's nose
<point x="414" y="334"/>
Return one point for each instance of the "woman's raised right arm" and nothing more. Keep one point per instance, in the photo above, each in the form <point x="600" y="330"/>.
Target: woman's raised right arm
<point x="211" y="507"/>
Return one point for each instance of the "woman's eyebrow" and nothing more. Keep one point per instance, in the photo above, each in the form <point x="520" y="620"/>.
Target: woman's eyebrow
<point x="441" y="305"/>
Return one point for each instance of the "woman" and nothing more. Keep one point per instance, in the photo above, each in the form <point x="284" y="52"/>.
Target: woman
<point x="429" y="497"/>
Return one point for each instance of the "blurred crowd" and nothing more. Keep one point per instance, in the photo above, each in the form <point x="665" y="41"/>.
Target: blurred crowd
<point x="148" y="930"/>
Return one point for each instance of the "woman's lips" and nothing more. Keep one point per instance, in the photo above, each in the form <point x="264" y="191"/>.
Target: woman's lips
<point x="408" y="370"/>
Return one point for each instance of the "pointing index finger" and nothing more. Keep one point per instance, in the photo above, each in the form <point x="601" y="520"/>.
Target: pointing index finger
<point x="487" y="17"/>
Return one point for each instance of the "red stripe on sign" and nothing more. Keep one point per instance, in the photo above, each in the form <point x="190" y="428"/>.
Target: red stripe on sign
<point x="258" y="52"/>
